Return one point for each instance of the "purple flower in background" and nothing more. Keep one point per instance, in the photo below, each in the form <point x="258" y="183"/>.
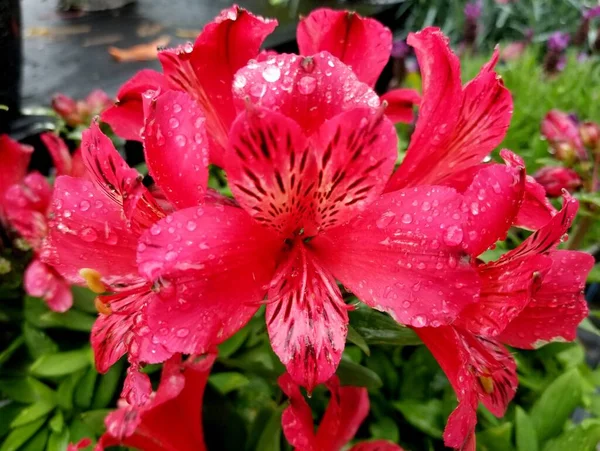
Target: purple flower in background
<point x="400" y="49"/>
<point x="558" y="41"/>
<point x="591" y="13"/>
<point x="473" y="10"/>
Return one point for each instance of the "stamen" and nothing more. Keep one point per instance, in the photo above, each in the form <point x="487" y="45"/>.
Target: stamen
<point x="93" y="279"/>
<point x="102" y="307"/>
<point x="487" y="383"/>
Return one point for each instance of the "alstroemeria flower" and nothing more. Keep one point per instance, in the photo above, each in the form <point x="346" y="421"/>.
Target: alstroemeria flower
<point x="172" y="419"/>
<point x="555" y="179"/>
<point x="97" y="222"/>
<point x="308" y="161"/>
<point x="204" y="70"/>
<point x="530" y="296"/>
<point x="14" y="159"/>
<point x="26" y="205"/>
<point x="346" y="410"/>
<point x="562" y="132"/>
<point x="80" y="112"/>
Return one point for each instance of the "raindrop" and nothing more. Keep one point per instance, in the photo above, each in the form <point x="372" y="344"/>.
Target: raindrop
<point x="419" y="321"/>
<point x="191" y="226"/>
<point x="176" y="108"/>
<point x="406" y="218"/>
<point x="385" y="219"/>
<point x="173" y="123"/>
<point x="453" y="236"/>
<point x="307" y="85"/>
<point x="88" y="234"/>
<point x="271" y="73"/>
<point x="239" y="82"/>
<point x="84" y="205"/>
<point x="180" y="140"/>
<point x="182" y="333"/>
<point x="170" y="256"/>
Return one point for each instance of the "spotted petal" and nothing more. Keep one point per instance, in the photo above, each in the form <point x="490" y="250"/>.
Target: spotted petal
<point x="42" y="281"/>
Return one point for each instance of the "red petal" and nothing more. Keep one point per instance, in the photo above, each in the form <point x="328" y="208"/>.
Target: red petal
<point x="474" y="366"/>
<point x="296" y="420"/>
<point x="492" y="200"/>
<point x="439" y="110"/>
<point x="206" y="70"/>
<point x="14" y="159"/>
<point x="137" y="387"/>
<point x="376" y="445"/>
<point x="176" y="148"/>
<point x="347" y="409"/>
<point x="26" y="204"/>
<point x="271" y="169"/>
<point x="42" y="281"/>
<point x="309" y="90"/>
<point x="87" y="230"/>
<point x="126" y="117"/>
<point x="400" y="104"/>
<point x="355" y="153"/>
<point x="120" y="184"/>
<point x="558" y="306"/>
<point x="362" y="43"/>
<point x="59" y="153"/>
<point x="306" y="318"/>
<point x="194" y="254"/>
<point x="403" y="255"/>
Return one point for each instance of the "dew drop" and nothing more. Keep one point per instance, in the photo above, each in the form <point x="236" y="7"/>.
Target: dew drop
<point x="170" y="256"/>
<point x="385" y="219"/>
<point x="173" y="123"/>
<point x="406" y="218"/>
<point x="155" y="230"/>
<point x="191" y="226"/>
<point x="453" y="236"/>
<point x="307" y="85"/>
<point x="180" y="140"/>
<point x="88" y="234"/>
<point x="182" y="333"/>
<point x="239" y="82"/>
<point x="419" y="321"/>
<point x="271" y="73"/>
<point x="84" y="205"/>
<point x="176" y="108"/>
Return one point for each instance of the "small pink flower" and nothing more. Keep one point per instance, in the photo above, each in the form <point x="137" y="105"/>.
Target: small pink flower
<point x="562" y="132"/>
<point x="14" y="159"/>
<point x="82" y="111"/>
<point x="556" y="179"/>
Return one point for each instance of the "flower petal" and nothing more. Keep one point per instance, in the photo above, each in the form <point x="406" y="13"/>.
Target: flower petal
<point x="354" y="163"/>
<point x="400" y="104"/>
<point x="306" y="318"/>
<point x="557" y="307"/>
<point x="362" y="43"/>
<point x="438" y="112"/>
<point x="271" y="169"/>
<point x="296" y="420"/>
<point x="14" y="158"/>
<point x="26" y="204"/>
<point x="87" y="230"/>
<point x="308" y="89"/>
<point x="376" y="445"/>
<point x="126" y="117"/>
<point x="206" y="69"/>
<point x="492" y="200"/>
<point x="193" y="255"/>
<point x="42" y="281"/>
<point x="59" y="152"/>
<point x="176" y="148"/>
<point x="403" y="255"/>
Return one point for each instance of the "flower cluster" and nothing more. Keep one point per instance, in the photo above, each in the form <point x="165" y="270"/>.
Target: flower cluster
<point x="319" y="209"/>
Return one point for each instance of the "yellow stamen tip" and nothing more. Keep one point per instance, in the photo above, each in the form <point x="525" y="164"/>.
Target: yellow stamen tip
<point x="102" y="307"/>
<point x="93" y="279"/>
<point x="487" y="383"/>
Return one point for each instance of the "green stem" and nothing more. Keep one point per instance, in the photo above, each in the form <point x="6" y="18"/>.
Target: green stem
<point x="576" y="239"/>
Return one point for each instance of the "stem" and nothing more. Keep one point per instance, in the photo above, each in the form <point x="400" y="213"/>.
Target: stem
<point x="576" y="239"/>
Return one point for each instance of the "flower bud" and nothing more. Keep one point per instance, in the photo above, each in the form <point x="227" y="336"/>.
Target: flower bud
<point x="590" y="134"/>
<point x="555" y="179"/>
<point x="64" y="105"/>
<point x="562" y="132"/>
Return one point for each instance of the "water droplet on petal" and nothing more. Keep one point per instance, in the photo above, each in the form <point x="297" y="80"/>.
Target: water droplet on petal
<point x="88" y="234"/>
<point x="271" y="73"/>
<point x="406" y="218"/>
<point x="453" y="236"/>
<point x="307" y="85"/>
<point x="419" y="321"/>
<point x="84" y="205"/>
<point x="385" y="219"/>
<point x="173" y="123"/>
<point x="182" y="333"/>
<point x="170" y="256"/>
<point x="180" y="140"/>
<point x="191" y="226"/>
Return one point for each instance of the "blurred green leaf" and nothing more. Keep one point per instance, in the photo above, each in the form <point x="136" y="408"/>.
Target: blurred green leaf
<point x="228" y="381"/>
<point x="94" y="419"/>
<point x="357" y="339"/>
<point x="20" y="435"/>
<point x="66" y="389"/>
<point x="38" y="314"/>
<point x="61" y="363"/>
<point x="270" y="439"/>
<point x="37" y="442"/>
<point x="33" y="412"/>
<point x="11" y="349"/>
<point x="556" y="404"/>
<point x="228" y="347"/>
<point x="83" y="299"/>
<point x="85" y="389"/>
<point x="526" y="437"/>
<point x="26" y="390"/>
<point x="108" y="386"/>
<point x="58" y="441"/>
<point x="496" y="438"/>
<point x="385" y="428"/>
<point x="8" y="412"/>
<point x="351" y="373"/>
<point x="57" y="422"/>
<point x="584" y="437"/>
<point x="425" y="416"/>
<point x="38" y="342"/>
<point x="378" y="328"/>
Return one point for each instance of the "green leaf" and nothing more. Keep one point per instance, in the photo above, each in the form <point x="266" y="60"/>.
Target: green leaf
<point x="378" y="328"/>
<point x="66" y="389"/>
<point x="57" y="422"/>
<point x="496" y="438"/>
<point x="20" y="435"/>
<point x="26" y="390"/>
<point x="85" y="389"/>
<point x="584" y="437"/>
<point x="38" y="314"/>
<point x="357" y="339"/>
<point x="38" y="442"/>
<point x="61" y="363"/>
<point x="594" y="275"/>
<point x="58" y="441"/>
<point x="425" y="416"/>
<point x="228" y="347"/>
<point x="83" y="299"/>
<point x="556" y="404"/>
<point x="351" y="373"/>
<point x="108" y="386"/>
<point x="38" y="342"/>
<point x="228" y="381"/>
<point x="94" y="419"/>
<point x="385" y="428"/>
<point x="11" y="348"/>
<point x="8" y="412"/>
<point x="33" y="412"/>
<point x="270" y="439"/>
<point x="526" y="437"/>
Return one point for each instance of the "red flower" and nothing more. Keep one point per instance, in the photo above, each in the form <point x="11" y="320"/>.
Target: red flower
<point x="562" y="132"/>
<point x="308" y="161"/>
<point x="555" y="179"/>
<point x="530" y="296"/>
<point x="172" y="419"/>
<point x="14" y="158"/>
<point x="206" y="69"/>
<point x="97" y="223"/>
<point x="26" y="205"/>
<point x="81" y="111"/>
<point x="347" y="409"/>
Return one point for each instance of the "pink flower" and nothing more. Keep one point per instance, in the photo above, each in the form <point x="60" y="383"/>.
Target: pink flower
<point x="172" y="419"/>
<point x="26" y="205"/>
<point x="347" y="408"/>
<point x="530" y="296"/>
<point x="81" y="111"/>
<point x="206" y="69"/>
<point x="562" y="132"/>
<point x="14" y="158"/>
<point x="556" y="179"/>
<point x="308" y="161"/>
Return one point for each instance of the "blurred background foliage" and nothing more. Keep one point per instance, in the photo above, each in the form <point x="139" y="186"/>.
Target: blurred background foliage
<point x="50" y="393"/>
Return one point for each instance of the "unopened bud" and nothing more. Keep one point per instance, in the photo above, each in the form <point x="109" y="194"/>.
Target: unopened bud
<point x="555" y="179"/>
<point x="590" y="134"/>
